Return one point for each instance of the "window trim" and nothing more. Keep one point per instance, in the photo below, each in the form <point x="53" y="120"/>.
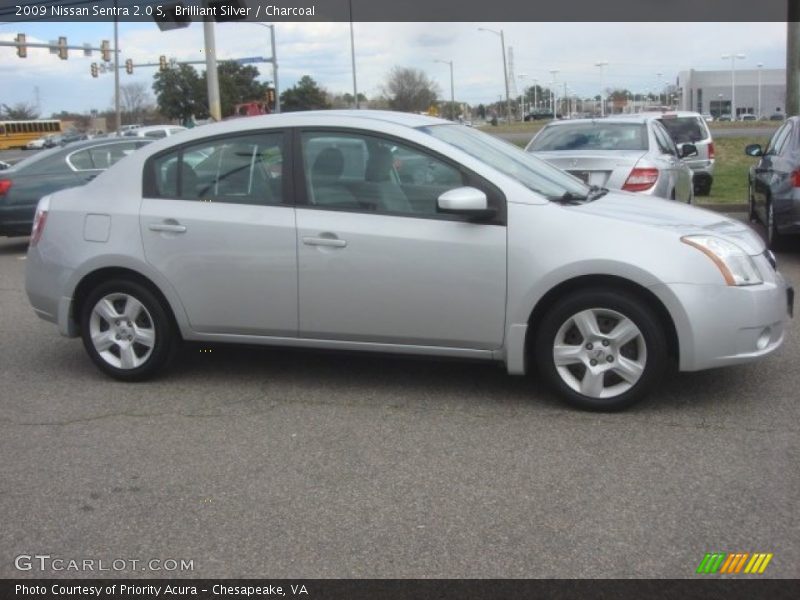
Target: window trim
<point x="149" y="189"/>
<point x="494" y="194"/>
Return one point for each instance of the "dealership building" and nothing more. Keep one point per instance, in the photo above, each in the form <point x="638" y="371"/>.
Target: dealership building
<point x="709" y="92"/>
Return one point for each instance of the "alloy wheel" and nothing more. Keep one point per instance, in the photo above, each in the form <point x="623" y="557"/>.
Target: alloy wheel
<point x="599" y="353"/>
<point x="122" y="331"/>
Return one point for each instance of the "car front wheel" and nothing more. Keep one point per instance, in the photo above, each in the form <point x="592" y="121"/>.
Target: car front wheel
<point x="126" y="330"/>
<point x="601" y="350"/>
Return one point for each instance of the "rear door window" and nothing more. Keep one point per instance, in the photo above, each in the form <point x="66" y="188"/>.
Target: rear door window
<point x="684" y="129"/>
<point x="243" y="169"/>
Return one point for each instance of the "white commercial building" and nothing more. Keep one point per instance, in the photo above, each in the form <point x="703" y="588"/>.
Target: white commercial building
<point x="710" y="92"/>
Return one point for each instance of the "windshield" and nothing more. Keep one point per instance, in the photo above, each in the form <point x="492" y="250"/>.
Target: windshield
<point x="684" y="129"/>
<point x="591" y="136"/>
<point x="512" y="161"/>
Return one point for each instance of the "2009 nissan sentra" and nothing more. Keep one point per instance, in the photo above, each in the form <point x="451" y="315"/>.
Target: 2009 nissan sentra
<point x="392" y="232"/>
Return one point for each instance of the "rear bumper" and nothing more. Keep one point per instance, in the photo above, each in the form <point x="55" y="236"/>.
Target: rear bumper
<point x="44" y="285"/>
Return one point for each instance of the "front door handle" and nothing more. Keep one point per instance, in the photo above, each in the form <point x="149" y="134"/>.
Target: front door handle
<point x="324" y="241"/>
<point x="169" y="227"/>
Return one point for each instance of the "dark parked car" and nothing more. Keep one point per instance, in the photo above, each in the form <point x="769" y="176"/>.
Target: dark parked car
<point x="774" y="183"/>
<point x="22" y="185"/>
<point x="538" y="115"/>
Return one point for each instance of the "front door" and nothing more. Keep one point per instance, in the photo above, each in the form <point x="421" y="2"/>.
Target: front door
<point x="378" y="263"/>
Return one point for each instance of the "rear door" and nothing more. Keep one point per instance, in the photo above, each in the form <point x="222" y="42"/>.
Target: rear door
<point x="771" y="170"/>
<point x="678" y="173"/>
<point x="218" y="222"/>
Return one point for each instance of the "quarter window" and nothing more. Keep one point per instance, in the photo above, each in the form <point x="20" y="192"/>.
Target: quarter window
<point x="100" y="157"/>
<point x="246" y="169"/>
<point x="360" y="172"/>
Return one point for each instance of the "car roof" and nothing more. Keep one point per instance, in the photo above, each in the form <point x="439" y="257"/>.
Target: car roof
<point x="626" y="119"/>
<point x="672" y="113"/>
<point x="370" y="119"/>
<point x="147" y="128"/>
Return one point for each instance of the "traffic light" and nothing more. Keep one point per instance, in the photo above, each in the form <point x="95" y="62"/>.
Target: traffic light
<point x="22" y="50"/>
<point x="271" y="97"/>
<point x="129" y="66"/>
<point x="62" y="48"/>
<point x="162" y="63"/>
<point x="94" y="70"/>
<point x="105" y="50"/>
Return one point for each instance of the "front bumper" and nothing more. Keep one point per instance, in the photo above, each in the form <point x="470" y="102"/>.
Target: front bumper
<point x="720" y="325"/>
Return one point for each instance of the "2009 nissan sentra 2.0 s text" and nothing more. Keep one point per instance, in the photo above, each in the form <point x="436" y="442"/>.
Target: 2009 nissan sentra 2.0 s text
<point x="392" y="232"/>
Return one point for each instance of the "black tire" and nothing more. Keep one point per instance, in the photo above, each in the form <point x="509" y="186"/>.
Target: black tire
<point x="702" y="187"/>
<point x="145" y="360"/>
<point x="606" y="304"/>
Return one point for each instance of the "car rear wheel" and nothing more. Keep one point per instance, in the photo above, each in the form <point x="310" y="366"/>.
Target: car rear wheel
<point x="601" y="350"/>
<point x="126" y="330"/>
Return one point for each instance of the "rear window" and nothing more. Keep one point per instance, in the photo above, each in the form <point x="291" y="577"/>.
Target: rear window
<point x="591" y="136"/>
<point x="685" y="129"/>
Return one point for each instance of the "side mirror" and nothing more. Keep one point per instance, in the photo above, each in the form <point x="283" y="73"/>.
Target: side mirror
<point x="688" y="150"/>
<point x="466" y="201"/>
<point x="754" y="150"/>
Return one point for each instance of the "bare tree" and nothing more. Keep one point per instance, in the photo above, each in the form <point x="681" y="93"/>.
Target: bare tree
<point x="410" y="90"/>
<point x="22" y="111"/>
<point x="135" y="101"/>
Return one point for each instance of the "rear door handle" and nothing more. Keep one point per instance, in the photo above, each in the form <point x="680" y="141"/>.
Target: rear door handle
<point x="324" y="241"/>
<point x="169" y="227"/>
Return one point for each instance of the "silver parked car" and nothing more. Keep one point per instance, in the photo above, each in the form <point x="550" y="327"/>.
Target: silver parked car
<point x="634" y="154"/>
<point x="389" y="232"/>
<point x="687" y="127"/>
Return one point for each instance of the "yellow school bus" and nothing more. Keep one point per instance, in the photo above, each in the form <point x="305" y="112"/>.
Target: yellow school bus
<point x="15" y="134"/>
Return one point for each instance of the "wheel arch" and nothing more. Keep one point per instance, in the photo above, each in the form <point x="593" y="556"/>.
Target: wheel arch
<point x="90" y="280"/>
<point x="604" y="282"/>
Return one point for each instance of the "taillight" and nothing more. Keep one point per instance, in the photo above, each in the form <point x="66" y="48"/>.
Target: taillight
<point x="796" y="178"/>
<point x="640" y="180"/>
<point x="711" y="150"/>
<point x="5" y="185"/>
<point x="39" y="220"/>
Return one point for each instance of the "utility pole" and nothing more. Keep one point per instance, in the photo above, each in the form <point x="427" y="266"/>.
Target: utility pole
<point x="117" y="110"/>
<point x="793" y="59"/>
<point x="212" y="77"/>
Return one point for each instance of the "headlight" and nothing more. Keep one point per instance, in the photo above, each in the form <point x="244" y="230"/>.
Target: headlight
<point x="736" y="266"/>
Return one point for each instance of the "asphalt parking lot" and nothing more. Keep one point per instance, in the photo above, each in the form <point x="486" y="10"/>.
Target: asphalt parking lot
<point x="287" y="463"/>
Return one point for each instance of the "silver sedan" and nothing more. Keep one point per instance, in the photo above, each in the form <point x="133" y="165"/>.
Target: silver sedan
<point x="390" y="232"/>
<point x="635" y="154"/>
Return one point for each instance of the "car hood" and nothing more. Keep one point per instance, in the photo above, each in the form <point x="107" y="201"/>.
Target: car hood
<point x="671" y="215"/>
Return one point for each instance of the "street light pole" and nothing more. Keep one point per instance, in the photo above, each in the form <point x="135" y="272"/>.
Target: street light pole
<point x="452" y="89"/>
<point x="353" y="54"/>
<point x="505" y="70"/>
<point x="553" y="72"/>
<point x="602" y="64"/>
<point x="116" y="70"/>
<point x="760" y="65"/>
<point x="732" y="58"/>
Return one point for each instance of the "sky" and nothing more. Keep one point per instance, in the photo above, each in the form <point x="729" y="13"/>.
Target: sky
<point x="636" y="53"/>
